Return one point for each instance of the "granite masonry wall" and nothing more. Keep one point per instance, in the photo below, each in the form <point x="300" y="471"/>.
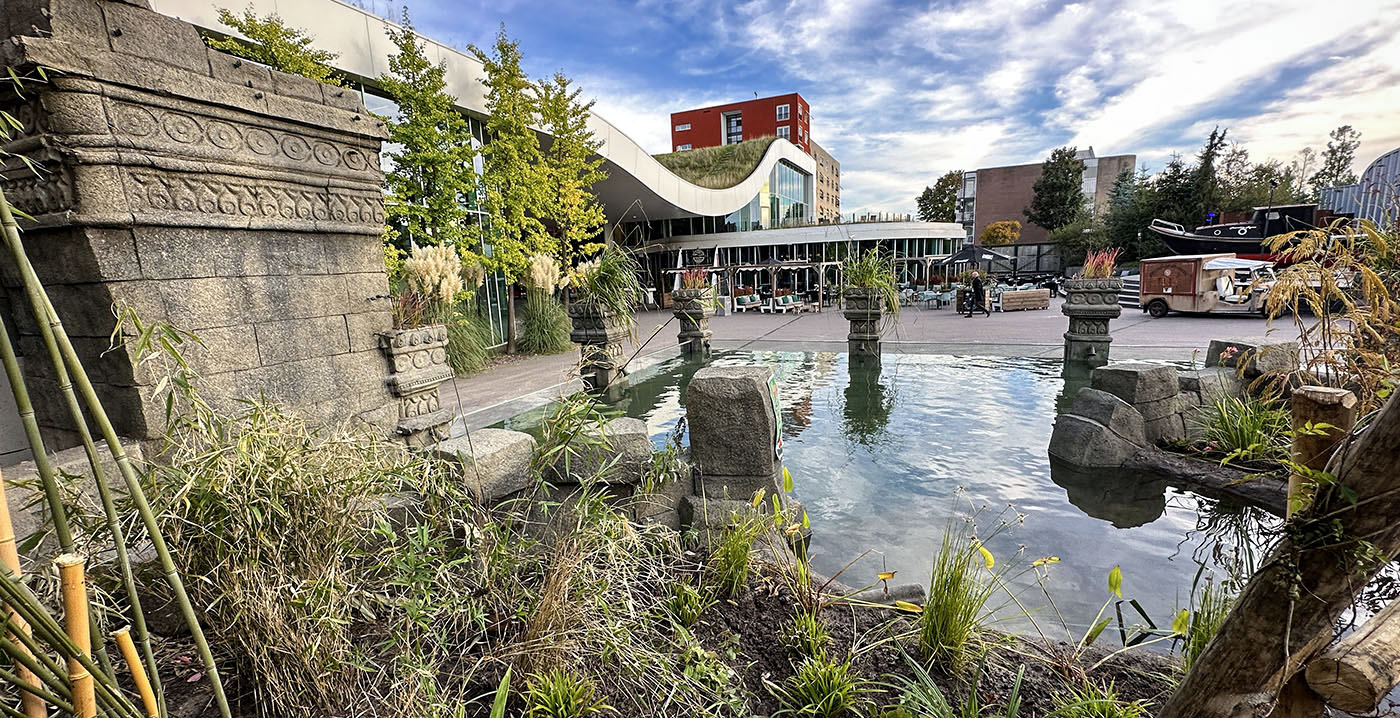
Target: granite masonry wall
<point x="236" y="202"/>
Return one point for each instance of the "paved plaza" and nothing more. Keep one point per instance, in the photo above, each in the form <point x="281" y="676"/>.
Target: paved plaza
<point x="1036" y="333"/>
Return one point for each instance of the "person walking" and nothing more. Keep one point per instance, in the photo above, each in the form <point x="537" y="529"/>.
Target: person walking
<point x="979" y="299"/>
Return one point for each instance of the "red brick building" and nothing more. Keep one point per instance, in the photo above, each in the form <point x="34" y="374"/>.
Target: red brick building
<point x="787" y="116"/>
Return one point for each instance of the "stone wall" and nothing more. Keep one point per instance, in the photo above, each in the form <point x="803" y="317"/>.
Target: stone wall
<point x="239" y="203"/>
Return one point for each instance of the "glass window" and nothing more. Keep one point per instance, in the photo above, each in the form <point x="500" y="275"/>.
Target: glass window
<point x="785" y="132"/>
<point x="782" y="112"/>
<point x="682" y="147"/>
<point x="683" y="128"/>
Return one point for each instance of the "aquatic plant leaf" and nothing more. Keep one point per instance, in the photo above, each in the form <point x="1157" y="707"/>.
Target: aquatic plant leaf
<point x="1182" y="622"/>
<point x="787" y="480"/>
<point x="498" y="707"/>
<point x="1115" y="581"/>
<point x="884" y="575"/>
<point x="1095" y="631"/>
<point x="987" y="557"/>
<point x="907" y="606"/>
<point x="806" y="522"/>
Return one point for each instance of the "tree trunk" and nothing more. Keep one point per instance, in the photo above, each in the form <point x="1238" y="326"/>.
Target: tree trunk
<point x="1288" y="610"/>
<point x="1317" y="405"/>
<point x="1356" y="674"/>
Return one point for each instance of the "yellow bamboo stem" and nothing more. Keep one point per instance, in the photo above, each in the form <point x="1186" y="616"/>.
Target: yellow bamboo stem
<point x="9" y="554"/>
<point x="138" y="671"/>
<point x="75" y="621"/>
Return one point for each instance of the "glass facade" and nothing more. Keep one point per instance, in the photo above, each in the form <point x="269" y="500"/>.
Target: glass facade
<point x="783" y="201"/>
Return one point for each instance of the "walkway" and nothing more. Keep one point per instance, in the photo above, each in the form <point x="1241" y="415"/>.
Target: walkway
<point x="493" y="394"/>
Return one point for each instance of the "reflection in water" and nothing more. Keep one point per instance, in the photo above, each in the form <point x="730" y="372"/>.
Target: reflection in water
<point x="878" y="457"/>
<point x="1124" y="501"/>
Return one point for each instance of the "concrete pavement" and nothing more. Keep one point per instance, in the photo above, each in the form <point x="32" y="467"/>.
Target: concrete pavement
<point x="1036" y="333"/>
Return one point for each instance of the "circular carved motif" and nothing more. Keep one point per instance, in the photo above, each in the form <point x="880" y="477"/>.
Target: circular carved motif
<point x="326" y="154"/>
<point x="261" y="142"/>
<point x="182" y="128"/>
<point x="421" y="359"/>
<point x="296" y="148"/>
<point x="439" y="356"/>
<point x="134" y="120"/>
<point x="355" y="160"/>
<point x="223" y="135"/>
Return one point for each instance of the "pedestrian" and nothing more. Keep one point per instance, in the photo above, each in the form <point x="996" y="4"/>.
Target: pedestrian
<point x="979" y="300"/>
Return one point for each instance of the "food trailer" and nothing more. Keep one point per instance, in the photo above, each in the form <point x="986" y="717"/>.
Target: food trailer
<point x="1204" y="283"/>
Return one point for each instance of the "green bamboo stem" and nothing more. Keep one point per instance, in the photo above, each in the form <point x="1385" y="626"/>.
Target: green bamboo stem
<point x="31" y="608"/>
<point x="48" y="327"/>
<point x="37" y="651"/>
<point x="54" y="683"/>
<point x="47" y="474"/>
<point x="15" y="681"/>
<point x="133" y="483"/>
<point x="10" y="712"/>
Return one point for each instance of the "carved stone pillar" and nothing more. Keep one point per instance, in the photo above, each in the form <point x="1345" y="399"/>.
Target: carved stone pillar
<point x="418" y="366"/>
<point x="864" y="310"/>
<point x="236" y="202"/>
<point x="599" y="334"/>
<point x="1089" y="304"/>
<point x="692" y="309"/>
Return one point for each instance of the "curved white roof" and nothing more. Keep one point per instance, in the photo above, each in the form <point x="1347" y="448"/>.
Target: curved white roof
<point x="637" y="185"/>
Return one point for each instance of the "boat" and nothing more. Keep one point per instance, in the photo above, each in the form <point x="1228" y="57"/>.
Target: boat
<point x="1242" y="239"/>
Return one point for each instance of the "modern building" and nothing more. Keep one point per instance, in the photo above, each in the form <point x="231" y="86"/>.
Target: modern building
<point x="786" y="116"/>
<point x="994" y="194"/>
<point x="828" y="185"/>
<point x="1376" y="197"/>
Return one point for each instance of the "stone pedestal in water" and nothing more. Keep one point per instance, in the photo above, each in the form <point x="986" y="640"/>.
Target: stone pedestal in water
<point x="418" y="366"/>
<point x="1089" y="304"/>
<point x="692" y="309"/>
<point x="864" y="309"/>
<point x="599" y="334"/>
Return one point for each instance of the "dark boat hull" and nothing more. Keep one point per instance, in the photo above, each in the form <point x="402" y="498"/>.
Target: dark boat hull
<point x="1184" y="242"/>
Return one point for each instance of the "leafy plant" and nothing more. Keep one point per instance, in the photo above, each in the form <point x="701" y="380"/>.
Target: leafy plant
<point x="557" y="694"/>
<point x="1247" y="430"/>
<point x="1100" y="264"/>
<point x="271" y="42"/>
<point x="1206" y="619"/>
<point x="873" y="270"/>
<point x="544" y="325"/>
<point x="806" y="635"/>
<point x="920" y="695"/>
<point x="608" y="282"/>
<point x="950" y="624"/>
<point x="717" y="167"/>
<point x="1001" y="233"/>
<point x="468" y="341"/>
<point x="572" y="165"/>
<point x="730" y="558"/>
<point x="686" y="604"/>
<point x="1092" y="700"/>
<point x="695" y="278"/>
<point x="821" y="687"/>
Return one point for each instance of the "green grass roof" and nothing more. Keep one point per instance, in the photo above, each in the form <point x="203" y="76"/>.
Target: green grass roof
<point x="717" y="167"/>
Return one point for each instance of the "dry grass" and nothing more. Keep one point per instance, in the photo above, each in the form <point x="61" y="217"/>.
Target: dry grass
<point x="717" y="167"/>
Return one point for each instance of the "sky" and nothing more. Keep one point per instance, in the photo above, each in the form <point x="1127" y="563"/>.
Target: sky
<point x="902" y="92"/>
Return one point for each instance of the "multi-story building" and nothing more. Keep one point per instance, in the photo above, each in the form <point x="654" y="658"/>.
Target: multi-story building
<point x="993" y="194"/>
<point x="828" y="192"/>
<point x="786" y="116"/>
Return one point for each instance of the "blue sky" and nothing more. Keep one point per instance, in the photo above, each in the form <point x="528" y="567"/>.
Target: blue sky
<point x="903" y="91"/>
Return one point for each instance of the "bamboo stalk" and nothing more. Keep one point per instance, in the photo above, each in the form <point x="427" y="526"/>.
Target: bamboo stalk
<point x="48" y="327"/>
<point x="75" y="618"/>
<point x="35" y="691"/>
<point x="48" y="672"/>
<point x="138" y="672"/>
<point x="32" y="704"/>
<point x="133" y="483"/>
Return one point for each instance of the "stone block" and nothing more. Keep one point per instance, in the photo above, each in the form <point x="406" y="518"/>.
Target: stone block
<point x="1258" y="359"/>
<point x="1212" y="383"/>
<point x="194" y="252"/>
<point x="139" y="31"/>
<point x="1171" y="427"/>
<point x="495" y="462"/>
<point x="28" y="509"/>
<point x="78" y="255"/>
<point x="1112" y="412"/>
<point x="238" y="71"/>
<point x="662" y="506"/>
<point x="302" y="88"/>
<point x="76" y="22"/>
<point x="293" y="339"/>
<point x="365" y="327"/>
<point x="622" y="457"/>
<point x="1084" y="442"/>
<point x="1136" y="383"/>
<point x="732" y="422"/>
<point x="305" y="381"/>
<point x="737" y="487"/>
<point x="364" y="291"/>
<point x="343" y="97"/>
<point x="1153" y="410"/>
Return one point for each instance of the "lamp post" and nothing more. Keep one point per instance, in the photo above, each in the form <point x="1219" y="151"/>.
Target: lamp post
<point x="1268" y="213"/>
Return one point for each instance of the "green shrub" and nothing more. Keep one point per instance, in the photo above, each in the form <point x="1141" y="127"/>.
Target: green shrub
<point x="686" y="604"/>
<point x="468" y="342"/>
<point x="556" y="694"/>
<point x="873" y="270"/>
<point x="950" y="625"/>
<point x="1206" y="620"/>
<point x="806" y="635"/>
<point x="544" y="325"/>
<point x="822" y="688"/>
<point x="1092" y="700"/>
<point x="1253" y="429"/>
<point x="729" y="561"/>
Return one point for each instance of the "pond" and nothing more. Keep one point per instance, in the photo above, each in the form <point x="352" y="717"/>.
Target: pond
<point x="884" y="460"/>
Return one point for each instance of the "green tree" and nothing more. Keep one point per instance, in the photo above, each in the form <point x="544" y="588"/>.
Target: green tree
<point x="512" y="166"/>
<point x="432" y="176"/>
<point x="272" y="43"/>
<point x="1132" y="203"/>
<point x="1059" y="196"/>
<point x="1206" y="193"/>
<point x="1001" y="233"/>
<point x="1337" y="160"/>
<point x="939" y="203"/>
<point x="1077" y="238"/>
<point x="1175" y="189"/>
<point x="572" y="166"/>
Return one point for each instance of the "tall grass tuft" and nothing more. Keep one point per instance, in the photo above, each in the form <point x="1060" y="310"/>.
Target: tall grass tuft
<point x="821" y="687"/>
<point x="920" y="695"/>
<point x="1094" y="700"/>
<point x="806" y="635"/>
<point x="950" y="625"/>
<point x="1206" y="619"/>
<point x="558" y="694"/>
<point x="1248" y="430"/>
<point x="544" y="325"/>
<point x="468" y="341"/>
<point x="732" y="554"/>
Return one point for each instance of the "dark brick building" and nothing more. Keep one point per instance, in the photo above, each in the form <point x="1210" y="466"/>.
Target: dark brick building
<point x="994" y="194"/>
<point x="787" y="116"/>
